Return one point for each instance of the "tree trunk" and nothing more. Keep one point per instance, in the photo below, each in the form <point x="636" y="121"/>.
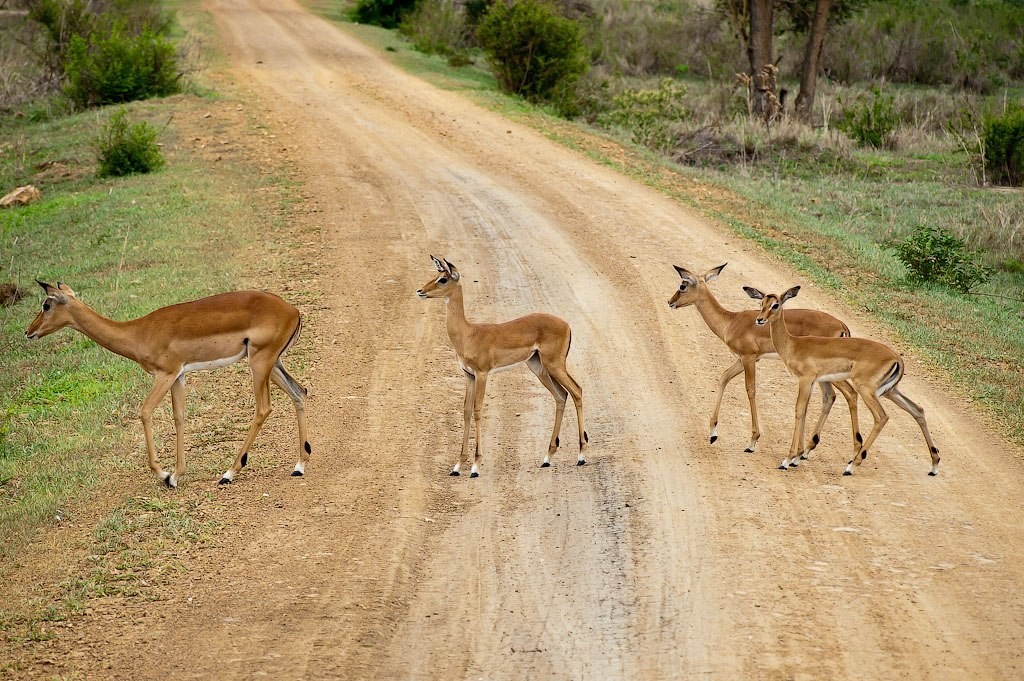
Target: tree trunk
<point x="759" y="49"/>
<point x="812" y="58"/>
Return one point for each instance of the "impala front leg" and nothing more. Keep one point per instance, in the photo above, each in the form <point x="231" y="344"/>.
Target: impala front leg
<point x="750" y="379"/>
<point x="727" y="376"/>
<point x="178" y="407"/>
<point x="479" y="389"/>
<point x="160" y="387"/>
<point x="467" y="416"/>
<point x="802" y="398"/>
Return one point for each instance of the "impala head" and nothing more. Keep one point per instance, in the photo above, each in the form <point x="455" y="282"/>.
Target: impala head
<point x="771" y="304"/>
<point x="690" y="285"/>
<point x="443" y="284"/>
<point x="55" y="314"/>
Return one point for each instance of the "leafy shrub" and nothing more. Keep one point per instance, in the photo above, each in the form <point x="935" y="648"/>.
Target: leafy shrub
<point x="114" y="67"/>
<point x="384" y="13"/>
<point x="535" y="52"/>
<point x="1004" y="148"/>
<point x="651" y="116"/>
<point x="871" y="123"/>
<point x="935" y="256"/>
<point x="125" y="148"/>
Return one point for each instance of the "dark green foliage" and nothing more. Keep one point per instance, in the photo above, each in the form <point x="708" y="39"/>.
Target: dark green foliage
<point x="125" y="148"/>
<point x="385" y="13"/>
<point x="113" y="67"/>
<point x="60" y="21"/>
<point x="934" y="256"/>
<point x="651" y="116"/>
<point x="534" y="51"/>
<point x="871" y="124"/>
<point x="1004" y="148"/>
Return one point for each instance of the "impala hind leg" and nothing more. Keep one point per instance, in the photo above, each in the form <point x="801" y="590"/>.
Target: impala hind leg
<point x="479" y="390"/>
<point x="467" y="417"/>
<point x="297" y="393"/>
<point x="561" y="376"/>
<point x="800" y="417"/>
<point x="917" y="412"/>
<point x="160" y="387"/>
<point x="881" y="418"/>
<point x="559" y="393"/>
<point x="261" y="373"/>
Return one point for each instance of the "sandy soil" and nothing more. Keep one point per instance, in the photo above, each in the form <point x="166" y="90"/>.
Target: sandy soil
<point x="664" y="557"/>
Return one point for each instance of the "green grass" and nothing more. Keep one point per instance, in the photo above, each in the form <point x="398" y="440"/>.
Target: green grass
<point x="69" y="408"/>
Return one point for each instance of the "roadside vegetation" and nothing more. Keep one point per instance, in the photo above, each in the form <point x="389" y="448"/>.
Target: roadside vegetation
<point x="897" y="185"/>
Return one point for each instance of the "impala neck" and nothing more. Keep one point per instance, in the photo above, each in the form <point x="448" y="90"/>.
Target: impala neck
<point x="455" y="318"/>
<point x="780" y="335"/>
<point x="715" y="316"/>
<point x="118" y="337"/>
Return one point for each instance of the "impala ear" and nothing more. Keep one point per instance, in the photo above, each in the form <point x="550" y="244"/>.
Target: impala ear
<point x="438" y="264"/>
<point x="64" y="288"/>
<point x="753" y="292"/>
<point x="452" y="271"/>
<point x="682" y="272"/>
<point x="791" y="293"/>
<point x="55" y="292"/>
<point x="713" y="273"/>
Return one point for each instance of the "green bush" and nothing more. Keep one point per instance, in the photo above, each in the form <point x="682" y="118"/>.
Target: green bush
<point x="1004" y="148"/>
<point x="384" y="13"/>
<point x="125" y="148"/>
<point x="871" y="124"/>
<point x="114" y="67"/>
<point x="535" y="52"/>
<point x="651" y="116"/>
<point x="934" y="256"/>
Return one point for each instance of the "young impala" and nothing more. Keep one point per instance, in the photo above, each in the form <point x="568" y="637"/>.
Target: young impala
<point x="202" y="334"/>
<point x="873" y="369"/>
<point x="751" y="343"/>
<point x="540" y="340"/>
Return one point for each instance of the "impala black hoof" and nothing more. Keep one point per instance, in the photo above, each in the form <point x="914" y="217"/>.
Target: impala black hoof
<point x="581" y="462"/>
<point x="296" y="474"/>
<point x="474" y="475"/>
<point x="546" y="464"/>
<point x="712" y="439"/>
<point x="225" y="481"/>
<point x="847" y="473"/>
<point x="748" y="450"/>
<point x="455" y="473"/>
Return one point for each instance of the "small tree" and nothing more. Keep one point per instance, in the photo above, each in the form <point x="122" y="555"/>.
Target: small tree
<point x="1004" y="148"/>
<point x="535" y="52"/>
<point x="124" y="148"/>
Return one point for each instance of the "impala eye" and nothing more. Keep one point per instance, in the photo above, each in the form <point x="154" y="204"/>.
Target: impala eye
<point x="442" y="280"/>
<point x="682" y="288"/>
<point x="775" y="306"/>
<point x="46" y="307"/>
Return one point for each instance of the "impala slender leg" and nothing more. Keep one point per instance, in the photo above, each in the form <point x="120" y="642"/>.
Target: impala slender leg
<point x="802" y="398"/>
<point x="178" y="407"/>
<point x="848" y="391"/>
<point x="562" y="376"/>
<point x="881" y="418"/>
<point x="160" y="387"/>
<point x="261" y="391"/>
<point x="727" y="376"/>
<point x="467" y="416"/>
<point x="559" y="393"/>
<point x="917" y="412"/>
<point x="750" y="380"/>
<point x="297" y="393"/>
<point x="828" y="398"/>
<point x="479" y="389"/>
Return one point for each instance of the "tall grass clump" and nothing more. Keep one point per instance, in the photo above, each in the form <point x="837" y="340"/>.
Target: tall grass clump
<point x="125" y="148"/>
<point x="934" y="256"/>
<point x="437" y="27"/>
<point x="871" y="124"/>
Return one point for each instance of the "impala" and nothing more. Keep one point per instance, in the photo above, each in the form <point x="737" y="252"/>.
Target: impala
<point x="872" y="368"/>
<point x="202" y="334"/>
<point x="540" y="340"/>
<point x="751" y="343"/>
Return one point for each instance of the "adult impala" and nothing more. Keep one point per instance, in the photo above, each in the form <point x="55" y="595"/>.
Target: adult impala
<point x="873" y="369"/>
<point x="751" y="343"/>
<point x="540" y="340"/>
<point x="202" y="334"/>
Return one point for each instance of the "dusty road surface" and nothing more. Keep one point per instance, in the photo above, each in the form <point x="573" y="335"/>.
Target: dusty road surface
<point x="664" y="557"/>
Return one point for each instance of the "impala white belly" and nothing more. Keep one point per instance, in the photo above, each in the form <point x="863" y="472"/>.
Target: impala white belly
<point x="213" y="363"/>
<point x="832" y="378"/>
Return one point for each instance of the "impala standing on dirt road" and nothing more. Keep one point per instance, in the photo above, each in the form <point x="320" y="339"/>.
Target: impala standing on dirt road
<point x="540" y="340"/>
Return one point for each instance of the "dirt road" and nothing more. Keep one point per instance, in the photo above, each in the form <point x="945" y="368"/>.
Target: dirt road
<point x="663" y="557"/>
